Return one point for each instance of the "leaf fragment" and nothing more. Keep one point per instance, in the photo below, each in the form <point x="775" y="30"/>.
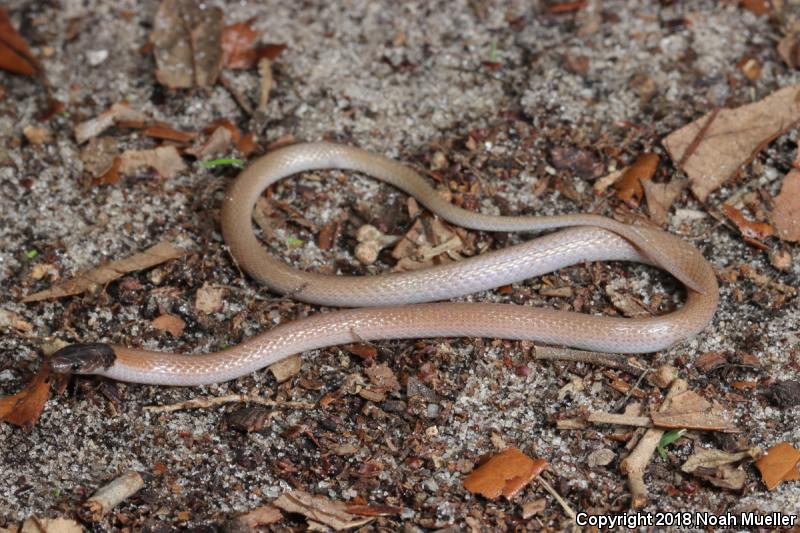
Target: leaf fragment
<point x="505" y="474"/>
<point x="320" y="510"/>
<point x="15" y="55"/>
<point x="786" y="212"/>
<point x="23" y="408"/>
<point x="165" y="160"/>
<point x="781" y="463"/>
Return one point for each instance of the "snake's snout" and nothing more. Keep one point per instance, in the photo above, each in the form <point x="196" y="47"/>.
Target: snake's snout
<point x="82" y="358"/>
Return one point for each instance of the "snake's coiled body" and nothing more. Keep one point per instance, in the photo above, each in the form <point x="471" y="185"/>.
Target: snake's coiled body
<point x="385" y="305"/>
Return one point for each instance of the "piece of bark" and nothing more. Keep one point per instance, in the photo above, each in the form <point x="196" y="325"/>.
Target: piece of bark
<point x="713" y="148"/>
<point x="102" y="275"/>
<point x="187" y="43"/>
<point x="689" y="410"/>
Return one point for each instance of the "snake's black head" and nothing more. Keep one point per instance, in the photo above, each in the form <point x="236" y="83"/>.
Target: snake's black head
<point x="82" y="358"/>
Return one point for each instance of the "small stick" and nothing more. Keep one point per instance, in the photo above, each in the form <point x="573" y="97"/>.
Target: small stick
<point x="111" y="495"/>
<point x="635" y="464"/>
<point x="601" y="417"/>
<point x="564" y="505"/>
<point x="594" y="358"/>
<point x="199" y="403"/>
<point x="624" y="399"/>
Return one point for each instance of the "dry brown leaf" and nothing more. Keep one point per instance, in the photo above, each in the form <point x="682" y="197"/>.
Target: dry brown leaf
<point x="749" y="228"/>
<point x="713" y="148"/>
<point x="689" y="410"/>
<point x="660" y="197"/>
<point x="382" y="376"/>
<point x="37" y="135"/>
<point x="239" y="50"/>
<point x="165" y="160"/>
<point x="100" y="160"/>
<point x="159" y="130"/>
<point x="23" y="408"/>
<point x="364" y="351"/>
<point x="715" y="466"/>
<point x="781" y="463"/>
<point x="169" y="323"/>
<point x="15" y="56"/>
<point x="117" y="113"/>
<point x="9" y="319"/>
<point x="102" y="275"/>
<point x="789" y="49"/>
<point x="51" y="525"/>
<point x="285" y="369"/>
<point x="257" y="518"/>
<point x="187" y="43"/>
<point x="220" y="141"/>
<point x="629" y="187"/>
<point x="786" y="213"/>
<point x="320" y="509"/>
<point x="505" y="474"/>
<point x="208" y="299"/>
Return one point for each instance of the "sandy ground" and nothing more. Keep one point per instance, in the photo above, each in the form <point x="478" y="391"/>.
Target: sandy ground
<point x="405" y="79"/>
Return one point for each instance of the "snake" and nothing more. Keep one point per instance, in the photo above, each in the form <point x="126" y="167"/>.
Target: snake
<point x="414" y="304"/>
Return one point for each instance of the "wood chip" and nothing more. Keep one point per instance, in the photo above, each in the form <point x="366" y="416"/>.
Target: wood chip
<point x="320" y="509"/>
<point x="187" y="43"/>
<point x="505" y="474"/>
<point x="781" y="463"/>
<point x="165" y="160"/>
<point x="208" y="299"/>
<point x="265" y="84"/>
<point x="786" y="213"/>
<point x="102" y="275"/>
<point x="713" y="148"/>
<point x="287" y="368"/>
<point x="111" y="495"/>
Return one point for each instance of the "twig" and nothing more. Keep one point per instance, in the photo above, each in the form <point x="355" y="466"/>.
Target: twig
<point x="564" y="505"/>
<point x="624" y="399"/>
<point x="635" y="464"/>
<point x="199" y="403"/>
<point x="111" y="495"/>
<point x="601" y="417"/>
<point x="594" y="358"/>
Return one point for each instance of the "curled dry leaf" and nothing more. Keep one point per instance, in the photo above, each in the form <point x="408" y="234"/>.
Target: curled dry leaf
<point x="15" y="56"/>
<point x="165" y="160"/>
<point x="749" y="228"/>
<point x="118" y="112"/>
<point x="23" y="408"/>
<point x="715" y="466"/>
<point x="781" y="463"/>
<point x="102" y="275"/>
<point x="505" y="474"/>
<point x="713" y="148"/>
<point x="187" y="43"/>
<point x="789" y="49"/>
<point x="159" y="130"/>
<point x="630" y="186"/>
<point x="660" y="197"/>
<point x="786" y="213"/>
<point x="257" y="518"/>
<point x="320" y="510"/>
<point x="239" y="50"/>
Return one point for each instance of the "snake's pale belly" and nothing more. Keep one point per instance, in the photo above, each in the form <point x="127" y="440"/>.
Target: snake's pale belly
<point x="388" y="306"/>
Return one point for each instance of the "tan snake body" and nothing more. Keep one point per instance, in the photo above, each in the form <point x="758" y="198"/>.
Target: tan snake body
<point x="388" y="306"/>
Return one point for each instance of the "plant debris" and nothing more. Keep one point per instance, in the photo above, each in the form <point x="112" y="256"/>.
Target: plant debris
<point x="23" y="408"/>
<point x="15" y="56"/>
<point x="505" y="474"/>
<point x="713" y="148"/>
<point x="320" y="510"/>
<point x="105" y="274"/>
<point x="165" y="160"/>
<point x="187" y="44"/>
<point x="119" y="112"/>
<point x="786" y="213"/>
<point x="780" y="463"/>
<point x="716" y="466"/>
<point x="109" y="496"/>
<point x="630" y="186"/>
